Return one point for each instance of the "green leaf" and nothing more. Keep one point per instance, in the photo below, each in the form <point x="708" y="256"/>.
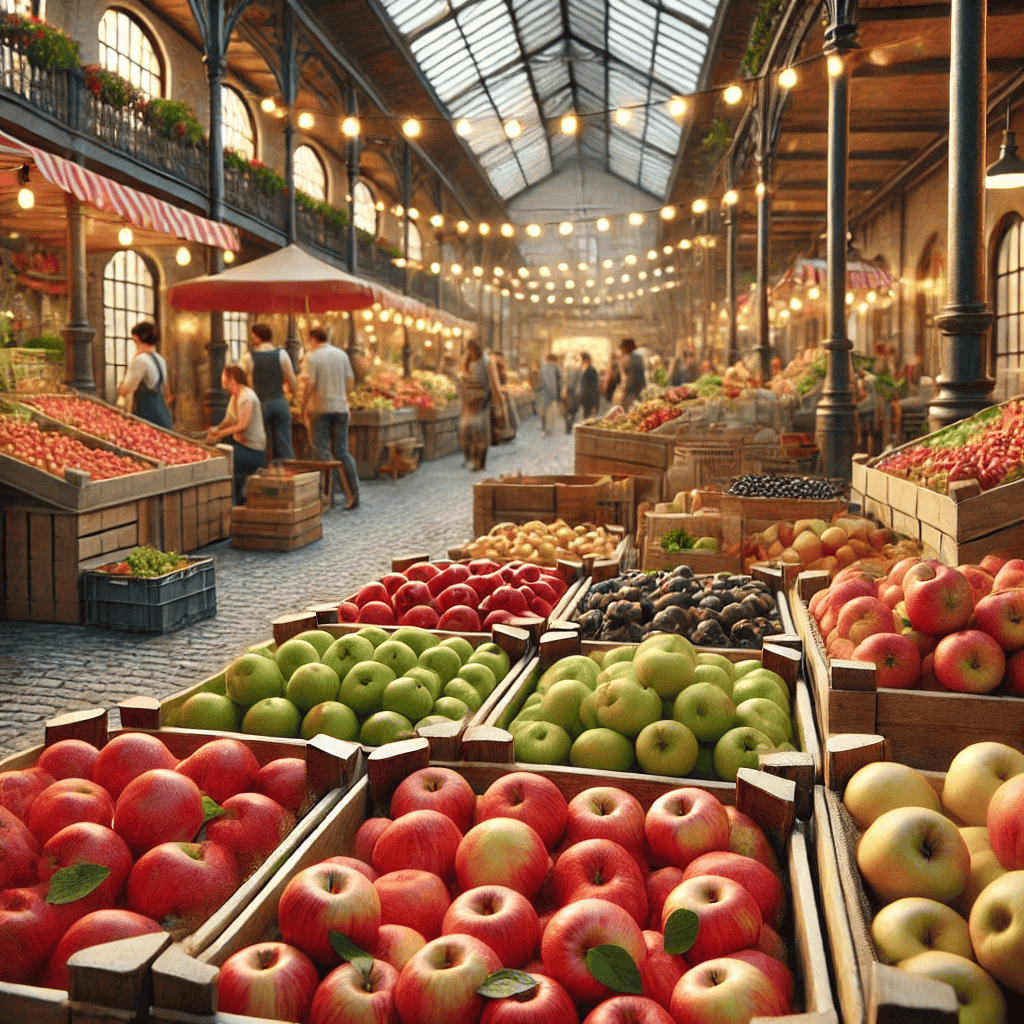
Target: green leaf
<point x="211" y="809"/>
<point x="506" y="982"/>
<point x="681" y="930"/>
<point x="348" y="950"/>
<point x="75" y="882"/>
<point x="615" y="968"/>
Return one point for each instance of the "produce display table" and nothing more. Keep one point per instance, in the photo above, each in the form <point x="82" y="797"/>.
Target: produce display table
<point x="440" y="430"/>
<point x="371" y="431"/>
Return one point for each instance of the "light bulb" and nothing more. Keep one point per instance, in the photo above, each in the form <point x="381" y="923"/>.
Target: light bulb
<point x="508" y="231"/>
<point x="550" y="286"/>
<point x="513" y="129"/>
<point x="268" y="105"/>
<point x="183" y="257"/>
<point x="420" y="324"/>
<point x="622" y="117"/>
<point x="814" y="293"/>
<point x="544" y="271"/>
<point x="849" y="298"/>
<point x="411" y="127"/>
<point x="398" y="211"/>
<point x="872" y="296"/>
<point x="533" y="230"/>
<point x="590" y="282"/>
<point x="456" y="269"/>
<point x="863" y="307"/>
<point x="125" y="236"/>
<point x="568" y="300"/>
<point x="413" y="213"/>
<point x="606" y="264"/>
<point x="551" y="298"/>
<point x="636" y="219"/>
<point x="581" y="265"/>
<point x="630" y="260"/>
<point x="305" y="120"/>
<point x="563" y="267"/>
<point x="569" y="124"/>
<point x="350" y="127"/>
<point x="229" y="256"/>
<point x="760" y="190"/>
<point x="732" y="95"/>
<point x="788" y="78"/>
<point x="796" y="304"/>
<point x="26" y="198"/>
<point x="400" y="262"/>
<point x="685" y="243"/>
<point x="609" y="280"/>
<point x="484" y="228"/>
<point x="676" y="106"/>
<point x="498" y="272"/>
<point x="700" y="206"/>
<point x="642" y="276"/>
<point x="523" y="272"/>
<point x="462" y="227"/>
<point x="624" y="278"/>
<point x="731" y="198"/>
<point x="435" y="267"/>
<point x="535" y="297"/>
<point x="462" y="127"/>
<point x="667" y="249"/>
<point x="478" y="271"/>
<point x="835" y="66"/>
<point x="379" y="206"/>
<point x="603" y="224"/>
<point x="565" y="228"/>
<point x="570" y="283"/>
<point x="437" y="221"/>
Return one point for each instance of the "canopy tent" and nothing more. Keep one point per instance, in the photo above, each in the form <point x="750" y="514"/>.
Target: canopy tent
<point x="112" y="204"/>
<point x="859" y="275"/>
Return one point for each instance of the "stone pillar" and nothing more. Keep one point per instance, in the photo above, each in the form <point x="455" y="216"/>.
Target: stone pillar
<point x="78" y="334"/>
<point x="730" y="281"/>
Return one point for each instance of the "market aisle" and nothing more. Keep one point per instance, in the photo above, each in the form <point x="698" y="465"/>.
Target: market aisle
<point x="46" y="670"/>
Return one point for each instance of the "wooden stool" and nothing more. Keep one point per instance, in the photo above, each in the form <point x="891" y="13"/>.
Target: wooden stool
<point x="402" y="456"/>
<point x="327" y="469"/>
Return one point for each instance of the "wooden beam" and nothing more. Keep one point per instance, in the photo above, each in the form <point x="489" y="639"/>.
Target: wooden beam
<point x="895" y="155"/>
<point x="926" y="122"/>
<point x="924" y="12"/>
<point x="820" y="185"/>
<point x="932" y="66"/>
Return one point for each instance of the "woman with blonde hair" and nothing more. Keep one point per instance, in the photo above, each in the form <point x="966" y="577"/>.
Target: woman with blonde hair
<point x="243" y="425"/>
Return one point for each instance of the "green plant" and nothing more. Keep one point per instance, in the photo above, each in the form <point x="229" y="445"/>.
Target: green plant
<point x="387" y="249"/>
<point x="45" y="46"/>
<point x="717" y="139"/>
<point x="53" y="343"/>
<point x="331" y="214"/>
<point x="110" y="88"/>
<point x="263" y="177"/>
<point x="174" y="119"/>
<point x="761" y="36"/>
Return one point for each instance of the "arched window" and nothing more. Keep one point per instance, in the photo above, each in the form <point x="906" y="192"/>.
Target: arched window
<point x="127" y="48"/>
<point x="931" y="295"/>
<point x="365" y="208"/>
<point x="1008" y="331"/>
<point x="17" y="7"/>
<point x="310" y="173"/>
<point x="129" y="295"/>
<point x="236" y="335"/>
<point x="239" y="128"/>
<point x="415" y="251"/>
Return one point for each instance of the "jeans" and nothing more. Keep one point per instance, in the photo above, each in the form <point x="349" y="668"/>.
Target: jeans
<point x="277" y="421"/>
<point x="330" y="430"/>
<point x="246" y="461"/>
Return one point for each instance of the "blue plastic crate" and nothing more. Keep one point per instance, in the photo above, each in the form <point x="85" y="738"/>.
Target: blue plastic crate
<point x="161" y="604"/>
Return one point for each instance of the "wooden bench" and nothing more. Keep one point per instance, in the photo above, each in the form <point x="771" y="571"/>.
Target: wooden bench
<point x="403" y="456"/>
<point x="327" y="470"/>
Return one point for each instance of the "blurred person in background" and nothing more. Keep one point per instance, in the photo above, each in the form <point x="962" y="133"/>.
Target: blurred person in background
<point x="243" y="424"/>
<point x="480" y="391"/>
<point x="273" y="380"/>
<point x="144" y="390"/>
<point x="631" y="370"/>
<point x="549" y="393"/>
<point x="590" y="390"/>
<point x="571" y="393"/>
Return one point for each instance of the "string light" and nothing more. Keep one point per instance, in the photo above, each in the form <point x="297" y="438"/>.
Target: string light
<point x="463" y="127"/>
<point x="305" y="120"/>
<point x="685" y="243"/>
<point x="796" y="304"/>
<point x="788" y="78"/>
<point x="411" y="128"/>
<point x="513" y="129"/>
<point x="606" y="264"/>
<point x="849" y="298"/>
<point x="700" y="206"/>
<point x="437" y="221"/>
<point x="667" y="250"/>
<point x="732" y="95"/>
<point x="603" y="224"/>
<point x="26" y="198"/>
<point x="652" y="254"/>
<point x="622" y="117"/>
<point x="544" y="271"/>
<point x="636" y="219"/>
<point x="569" y="124"/>
<point x="508" y="231"/>
<point x="229" y="256"/>
<point x="413" y="213"/>
<point x="267" y="105"/>
<point x="435" y="267"/>
<point x="478" y="271"/>
<point x="565" y="228"/>
<point x="563" y="267"/>
<point x="835" y="66"/>
<point x="731" y="198"/>
<point x="814" y="293"/>
<point x="183" y="257"/>
<point x="760" y="190"/>
<point x="462" y="227"/>
<point x="676" y="106"/>
<point x="484" y="228"/>
<point x="533" y="230"/>
<point x="125" y="237"/>
<point x="350" y="127"/>
<point x="630" y="260"/>
<point x="668" y="213"/>
<point x="456" y="269"/>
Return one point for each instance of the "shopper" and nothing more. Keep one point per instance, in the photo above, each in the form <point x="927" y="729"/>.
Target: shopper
<point x="327" y="378"/>
<point x="571" y="393"/>
<point x="481" y="392"/>
<point x="273" y="380"/>
<point x="590" y="393"/>
<point x="550" y="393"/>
<point x="243" y="424"/>
<point x="145" y="390"/>
<point x="631" y="369"/>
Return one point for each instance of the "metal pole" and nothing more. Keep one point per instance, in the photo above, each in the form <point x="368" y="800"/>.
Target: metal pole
<point x="215" y="401"/>
<point x="353" y="147"/>
<point x="964" y="384"/>
<point x="836" y="414"/>
<point x="730" y="280"/>
<point x="78" y="334"/>
<point x="406" y="200"/>
<point x="764" y="213"/>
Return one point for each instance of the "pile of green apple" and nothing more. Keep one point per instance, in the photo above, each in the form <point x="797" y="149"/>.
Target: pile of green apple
<point x="371" y="686"/>
<point x="946" y="871"/>
<point x="663" y="706"/>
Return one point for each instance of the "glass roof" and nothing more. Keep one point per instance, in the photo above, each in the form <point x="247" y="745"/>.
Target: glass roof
<point x="492" y="61"/>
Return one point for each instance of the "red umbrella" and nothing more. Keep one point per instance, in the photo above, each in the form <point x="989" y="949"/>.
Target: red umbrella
<point x="286" y="281"/>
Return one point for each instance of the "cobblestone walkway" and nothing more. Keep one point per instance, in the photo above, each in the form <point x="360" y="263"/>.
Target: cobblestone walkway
<point x="46" y="670"/>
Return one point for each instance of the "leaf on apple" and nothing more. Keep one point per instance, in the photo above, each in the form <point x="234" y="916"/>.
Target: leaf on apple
<point x="348" y="950"/>
<point x="681" y="930"/>
<point x="506" y="982"/>
<point x="75" y="882"/>
<point x="615" y="968"/>
<point x="211" y="809"/>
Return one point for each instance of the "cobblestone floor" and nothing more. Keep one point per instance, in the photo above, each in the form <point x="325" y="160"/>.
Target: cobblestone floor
<point x="46" y="670"/>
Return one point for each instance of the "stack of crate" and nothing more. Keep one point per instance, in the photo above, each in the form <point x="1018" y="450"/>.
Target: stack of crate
<point x="282" y="512"/>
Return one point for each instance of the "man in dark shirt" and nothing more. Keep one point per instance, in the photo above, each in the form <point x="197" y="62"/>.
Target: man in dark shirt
<point x="634" y="379"/>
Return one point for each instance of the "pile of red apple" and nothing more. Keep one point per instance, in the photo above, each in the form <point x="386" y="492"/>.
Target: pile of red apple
<point x="109" y="424"/>
<point x="461" y="598"/>
<point x="947" y="874"/>
<point x="99" y="845"/>
<point x="928" y="625"/>
<point x="55" y="452"/>
<point x="454" y="888"/>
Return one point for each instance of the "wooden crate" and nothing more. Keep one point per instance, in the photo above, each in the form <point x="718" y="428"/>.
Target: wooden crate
<point x="372" y="430"/>
<point x="271" y="490"/>
<point x="925" y="728"/>
<point x="439" y="429"/>
<point x="726" y="530"/>
<point x="868" y="989"/>
<point x="646" y="457"/>
<point x="109" y="983"/>
<point x="257" y="527"/>
<point x="773" y="509"/>
<point x="185" y="990"/>
<point x="193" y="517"/>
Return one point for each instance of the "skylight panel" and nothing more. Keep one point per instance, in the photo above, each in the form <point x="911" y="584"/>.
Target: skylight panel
<point x="549" y="71"/>
<point x="539" y="22"/>
<point x="557" y="105"/>
<point x="534" y="156"/>
<point x="445" y="60"/>
<point x="631" y="31"/>
<point x="586" y="21"/>
<point x="623" y="155"/>
<point x="562" y="147"/>
<point x="490" y="35"/>
<point x="411" y="15"/>
<point x="656" y="172"/>
<point x="679" y="55"/>
<point x="512" y="96"/>
<point x="702" y="11"/>
<point x="662" y="131"/>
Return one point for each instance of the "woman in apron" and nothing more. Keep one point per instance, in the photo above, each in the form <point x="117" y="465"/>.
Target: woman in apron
<point x="144" y="389"/>
<point x="243" y="426"/>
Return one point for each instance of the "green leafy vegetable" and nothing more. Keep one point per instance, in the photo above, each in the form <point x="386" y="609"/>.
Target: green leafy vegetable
<point x="75" y="882"/>
<point x="676" y="540"/>
<point x="148" y="562"/>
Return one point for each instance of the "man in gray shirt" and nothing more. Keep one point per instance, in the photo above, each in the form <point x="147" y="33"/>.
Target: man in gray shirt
<point x="327" y="379"/>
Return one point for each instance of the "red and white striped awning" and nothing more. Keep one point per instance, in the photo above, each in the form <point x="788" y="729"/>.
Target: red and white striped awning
<point x="138" y="209"/>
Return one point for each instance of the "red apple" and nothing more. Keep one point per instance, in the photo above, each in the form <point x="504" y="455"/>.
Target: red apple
<point x="772" y="944"/>
<point x="284" y="781"/>
<point x="449" y="577"/>
<point x="460" y="619"/>
<point x="509" y="598"/>
<point x="991" y="564"/>
<point x="1001" y="615"/>
<point x="548" y="1003"/>
<point x="774" y="969"/>
<point x="392" y="582"/>
<point x="348" y="612"/>
<point x="484" y="585"/>
<point x="662" y="971"/>
<point x="436" y="789"/>
<point x="221" y="768"/>
<point x="126" y="757"/>
<point x="685" y="823"/>
<point x="396" y="944"/>
<point x="747" y="838"/>
<point x="924" y="642"/>
<point x="411" y="595"/>
<point x="1010" y="574"/>
<point x="377" y="613"/>
<point x="500" y="917"/>
<point x="482" y="566"/>
<point x="939" y="599"/>
<point x="19" y="852"/>
<point x="422" y="616"/>
<point x="420" y="839"/>
<point x="495" y="618"/>
<point x="760" y="881"/>
<point x="68" y="759"/>
<point x="366" y="837"/>
<point x="270" y="979"/>
<point x="182" y="884"/>
<point x="843" y="592"/>
<point x="529" y="797"/>
<point x="457" y="594"/>
<point x="605" y="812"/>
<point x="438" y="985"/>
<point x="159" y="806"/>
<point x="502" y="851"/>
<point x="969" y="661"/>
<point x="730" y="918"/>
<point x="28" y="932"/>
<point x="372" y="592"/>
<point x="66" y="802"/>
<point x="85" y="842"/>
<point x="411" y="896"/>
<point x="576" y="929"/>
<point x="422" y="571"/>
<point x="980" y="581"/>
<point x="896" y="659"/>
<point x="725" y="991"/>
<point x="899" y="571"/>
<point x="601" y="869"/>
<point x="251" y="827"/>
<point x="629" y="1010"/>
<point x="19" y="788"/>
<point x="1015" y="674"/>
<point x="659" y="884"/>
<point x="1005" y="821"/>
<point x="346" y="996"/>
<point x="863" y="617"/>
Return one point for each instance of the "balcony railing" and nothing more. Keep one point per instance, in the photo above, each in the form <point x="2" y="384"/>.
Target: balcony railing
<point x="247" y="197"/>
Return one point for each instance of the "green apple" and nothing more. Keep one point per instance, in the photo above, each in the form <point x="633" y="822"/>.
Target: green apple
<point x="603" y="750"/>
<point x="319" y="638"/>
<point x="272" y="716"/>
<point x="451" y="707"/>
<point x="418" y="639"/>
<point x="251" y="678"/>
<point x="432" y="720"/>
<point x="667" y="706"/>
<point x="740" y="748"/>
<point x="363" y="687"/>
<point x="706" y="711"/>
<point x="385" y="727"/>
<point x="534" y="698"/>
<point x="741" y="668"/>
<point x="561" y="704"/>
<point x="172" y="719"/>
<point x="460" y="645"/>
<point x="216" y="684"/>
<point x="785" y="748"/>
<point x="618" y="655"/>
<point x="618" y="670"/>
<point x="431" y="680"/>
<point x="397" y="656"/>
<point x="346" y="652"/>
<point x="764" y="714"/>
<point x="312" y="684"/>
<point x="667" y="748"/>
<point x="716" y="675"/>
<point x="575" y="666"/>
<point x="331" y="718"/>
<point x="762" y="683"/>
<point x="665" y="662"/>
<point x="442" y="660"/>
<point x="524" y="716"/>
<point x="264" y="650"/>
<point x="493" y="657"/>
<point x="479" y="676"/>
<point x="205" y="710"/>
<point x="374" y="634"/>
<point x="708" y="658"/>
<point x="588" y="711"/>
<point x="597" y="657"/>
<point x="409" y="697"/>
<point x="465" y="691"/>
<point x="542" y="743"/>
<point x="704" y="767"/>
<point x="626" y="707"/>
